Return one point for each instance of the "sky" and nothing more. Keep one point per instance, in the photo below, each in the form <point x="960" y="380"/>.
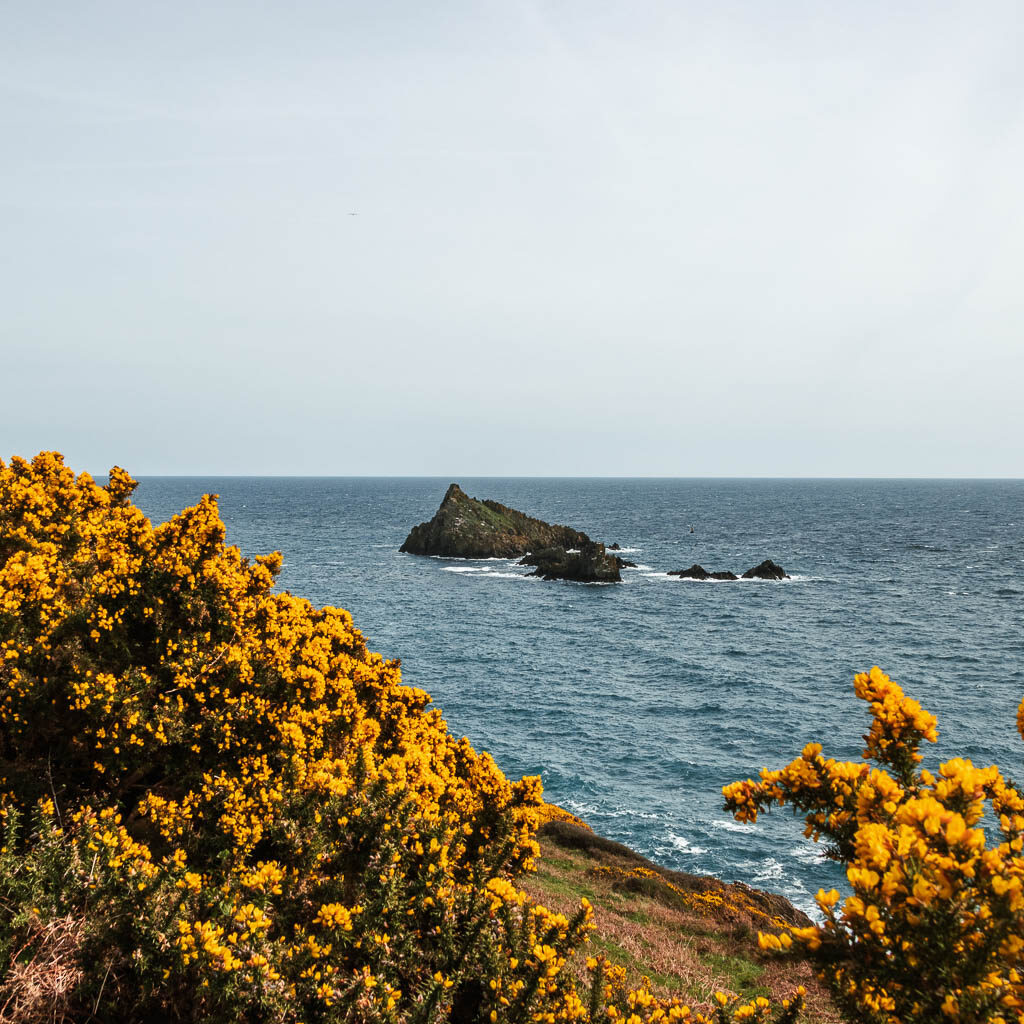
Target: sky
<point x="518" y="238"/>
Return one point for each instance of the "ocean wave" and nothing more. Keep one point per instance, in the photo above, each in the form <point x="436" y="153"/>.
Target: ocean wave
<point x="683" y="845"/>
<point x="769" y="870"/>
<point x="792" y="578"/>
<point x="732" y="826"/>
<point x="483" y="573"/>
<point x="587" y="583"/>
<point x="586" y="810"/>
<point x="809" y="854"/>
<point x="686" y="579"/>
<point x="458" y="558"/>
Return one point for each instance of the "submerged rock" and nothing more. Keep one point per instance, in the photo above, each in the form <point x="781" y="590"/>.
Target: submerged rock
<point x="767" y="570"/>
<point x="464" y="527"/>
<point x="698" y="572"/>
<point x="588" y="563"/>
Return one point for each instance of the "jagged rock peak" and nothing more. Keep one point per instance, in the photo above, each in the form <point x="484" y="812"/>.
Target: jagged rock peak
<point x="465" y="527"/>
<point x="454" y="493"/>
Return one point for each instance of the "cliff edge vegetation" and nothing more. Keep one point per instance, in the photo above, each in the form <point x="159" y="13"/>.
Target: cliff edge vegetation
<point x="218" y="805"/>
<point x="687" y="935"/>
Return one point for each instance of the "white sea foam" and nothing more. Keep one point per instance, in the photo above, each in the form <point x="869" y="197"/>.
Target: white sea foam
<point x="809" y="854"/>
<point x="769" y="870"/>
<point x="685" y="579"/>
<point x="733" y="826"/>
<point x="485" y="572"/>
<point x="583" y="810"/>
<point x="456" y="558"/>
<point x="683" y="845"/>
<point x="792" y="578"/>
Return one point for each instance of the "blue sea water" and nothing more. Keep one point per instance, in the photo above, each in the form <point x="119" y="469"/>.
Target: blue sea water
<point x="637" y="702"/>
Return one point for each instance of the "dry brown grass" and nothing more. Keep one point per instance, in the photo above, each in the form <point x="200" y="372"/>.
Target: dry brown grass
<point x="690" y="935"/>
<point x="37" y="990"/>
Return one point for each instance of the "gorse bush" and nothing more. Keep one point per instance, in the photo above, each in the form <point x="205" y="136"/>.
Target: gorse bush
<point x="934" y="928"/>
<point x="218" y="805"/>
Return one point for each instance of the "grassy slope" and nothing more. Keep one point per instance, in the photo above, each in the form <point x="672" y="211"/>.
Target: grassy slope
<point x="688" y="934"/>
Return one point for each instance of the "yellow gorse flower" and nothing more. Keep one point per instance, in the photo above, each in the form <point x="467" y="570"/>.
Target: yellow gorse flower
<point x="259" y="819"/>
<point x="933" y="928"/>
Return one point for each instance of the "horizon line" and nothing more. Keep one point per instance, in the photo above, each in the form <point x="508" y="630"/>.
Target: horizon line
<point x="543" y="476"/>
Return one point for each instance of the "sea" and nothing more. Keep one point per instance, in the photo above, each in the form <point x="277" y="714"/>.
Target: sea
<point x="636" y="702"/>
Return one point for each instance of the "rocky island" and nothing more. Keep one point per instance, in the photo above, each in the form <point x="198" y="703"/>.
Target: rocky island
<point x="698" y="572"/>
<point x="767" y="570"/>
<point x="465" y="527"/>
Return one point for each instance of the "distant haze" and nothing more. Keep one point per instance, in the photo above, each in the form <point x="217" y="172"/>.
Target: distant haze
<point x="590" y="238"/>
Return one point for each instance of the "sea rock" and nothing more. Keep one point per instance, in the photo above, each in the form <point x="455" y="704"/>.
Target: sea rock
<point x="588" y="563"/>
<point x="767" y="570"/>
<point x="695" y="572"/>
<point x="622" y="563"/>
<point x="614" y="547"/>
<point x="698" y="572"/>
<point x="464" y="527"/>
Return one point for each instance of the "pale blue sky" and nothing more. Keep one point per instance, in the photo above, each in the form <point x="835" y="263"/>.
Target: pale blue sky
<point x="592" y="238"/>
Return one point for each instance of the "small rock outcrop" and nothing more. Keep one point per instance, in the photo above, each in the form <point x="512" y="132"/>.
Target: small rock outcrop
<point x="464" y="527"/>
<point x="589" y="563"/>
<point x="767" y="570"/>
<point x="698" y="572"/>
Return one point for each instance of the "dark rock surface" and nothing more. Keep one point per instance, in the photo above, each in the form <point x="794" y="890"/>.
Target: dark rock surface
<point x="614" y="547"/>
<point x="588" y="563"/>
<point x="464" y="527"/>
<point x="622" y="563"/>
<point x="698" y="572"/>
<point x="767" y="570"/>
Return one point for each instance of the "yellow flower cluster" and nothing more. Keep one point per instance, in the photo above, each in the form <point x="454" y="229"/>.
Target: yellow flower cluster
<point x="934" y="927"/>
<point x="639" y="1006"/>
<point x="251" y="814"/>
<point x="552" y="812"/>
